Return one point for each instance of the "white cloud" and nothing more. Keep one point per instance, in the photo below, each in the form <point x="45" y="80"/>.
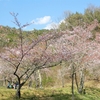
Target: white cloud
<point x="42" y="20"/>
<point x="62" y="21"/>
<point x="52" y="25"/>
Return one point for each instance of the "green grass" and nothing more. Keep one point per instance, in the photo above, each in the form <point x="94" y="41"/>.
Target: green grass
<point x="49" y="94"/>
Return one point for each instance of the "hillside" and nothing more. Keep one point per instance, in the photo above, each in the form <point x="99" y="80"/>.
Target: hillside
<point x="90" y="34"/>
<point x="52" y="58"/>
<point x="83" y="38"/>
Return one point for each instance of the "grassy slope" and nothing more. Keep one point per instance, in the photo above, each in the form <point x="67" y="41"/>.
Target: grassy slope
<point x="50" y="94"/>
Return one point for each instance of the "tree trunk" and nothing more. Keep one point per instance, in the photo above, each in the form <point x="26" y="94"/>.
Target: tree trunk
<point x="62" y="72"/>
<point x="81" y="88"/>
<point x="18" y="92"/>
<point x="5" y="82"/>
<point x="72" y="82"/>
<point x="72" y="86"/>
<point x="76" y="82"/>
<point x="19" y="86"/>
<point x="38" y="79"/>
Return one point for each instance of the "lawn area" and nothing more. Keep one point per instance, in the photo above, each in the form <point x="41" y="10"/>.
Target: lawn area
<point x="49" y="94"/>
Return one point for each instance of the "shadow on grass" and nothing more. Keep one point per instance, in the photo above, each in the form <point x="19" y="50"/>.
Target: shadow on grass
<point x="50" y="97"/>
<point x="55" y="94"/>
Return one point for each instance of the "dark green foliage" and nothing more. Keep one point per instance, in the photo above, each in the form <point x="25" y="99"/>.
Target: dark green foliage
<point x="88" y="16"/>
<point x="75" y="19"/>
<point x="92" y="13"/>
<point x="97" y="14"/>
<point x="96" y="29"/>
<point x="39" y="32"/>
<point x="9" y="36"/>
<point x="78" y="19"/>
<point x="63" y="26"/>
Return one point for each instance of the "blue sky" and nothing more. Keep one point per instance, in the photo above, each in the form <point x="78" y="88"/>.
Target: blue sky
<point x="44" y="13"/>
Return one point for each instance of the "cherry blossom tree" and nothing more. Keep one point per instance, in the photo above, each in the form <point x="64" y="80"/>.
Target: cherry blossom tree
<point x="28" y="56"/>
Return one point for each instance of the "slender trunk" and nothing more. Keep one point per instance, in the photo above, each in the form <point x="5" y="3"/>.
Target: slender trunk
<point x="72" y="82"/>
<point x="40" y="79"/>
<point x="36" y="79"/>
<point x="62" y="72"/>
<point x="18" y="92"/>
<point x="81" y="88"/>
<point x="5" y="82"/>
<point x="73" y="86"/>
<point x="76" y="82"/>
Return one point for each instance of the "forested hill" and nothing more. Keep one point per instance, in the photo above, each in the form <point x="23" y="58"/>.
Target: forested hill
<point x="8" y="35"/>
<point x="90" y="19"/>
<point x="81" y="19"/>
